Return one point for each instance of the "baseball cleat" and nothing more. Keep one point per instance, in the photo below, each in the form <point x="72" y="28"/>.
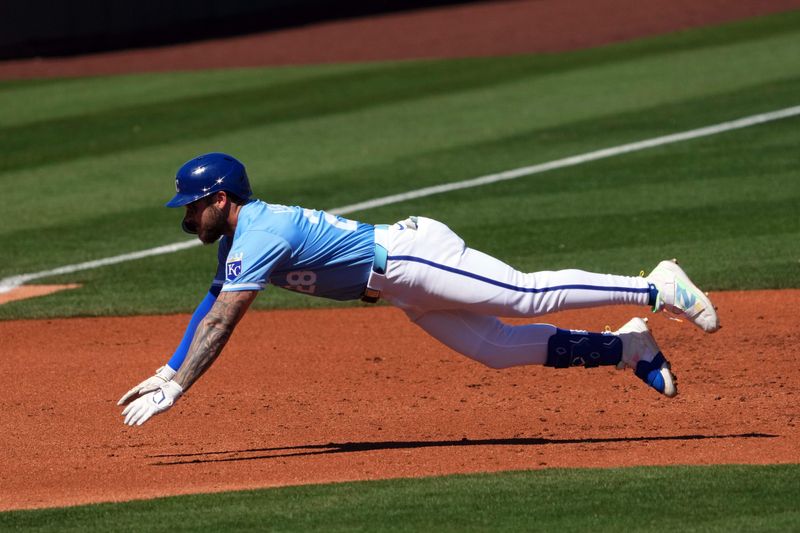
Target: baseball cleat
<point x="677" y="294"/>
<point x="640" y="352"/>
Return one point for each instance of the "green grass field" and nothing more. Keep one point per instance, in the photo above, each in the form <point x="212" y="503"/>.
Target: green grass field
<point x="731" y="498"/>
<point x="88" y="164"/>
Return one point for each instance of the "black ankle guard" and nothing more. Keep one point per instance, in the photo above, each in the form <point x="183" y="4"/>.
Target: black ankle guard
<point x="580" y="348"/>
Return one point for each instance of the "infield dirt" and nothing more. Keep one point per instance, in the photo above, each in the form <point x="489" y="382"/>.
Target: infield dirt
<point x="319" y="396"/>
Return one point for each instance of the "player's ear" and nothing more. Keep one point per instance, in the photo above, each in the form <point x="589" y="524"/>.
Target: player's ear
<point x="221" y="198"/>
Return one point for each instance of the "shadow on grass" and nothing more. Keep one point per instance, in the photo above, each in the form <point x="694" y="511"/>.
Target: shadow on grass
<point x="255" y="454"/>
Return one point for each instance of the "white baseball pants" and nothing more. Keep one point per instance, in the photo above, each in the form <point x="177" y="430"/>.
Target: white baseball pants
<point x="456" y="293"/>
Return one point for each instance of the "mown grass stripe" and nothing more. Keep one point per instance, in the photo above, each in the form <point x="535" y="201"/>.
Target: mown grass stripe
<point x="71" y="137"/>
<point x="574" y="160"/>
<point x="11" y="282"/>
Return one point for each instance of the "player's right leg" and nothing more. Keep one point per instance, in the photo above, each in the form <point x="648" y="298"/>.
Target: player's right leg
<point x="498" y="345"/>
<point x="431" y="268"/>
<point x="677" y="294"/>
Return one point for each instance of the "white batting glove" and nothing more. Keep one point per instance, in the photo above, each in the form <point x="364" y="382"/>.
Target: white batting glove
<point x="152" y="403"/>
<point x="163" y="374"/>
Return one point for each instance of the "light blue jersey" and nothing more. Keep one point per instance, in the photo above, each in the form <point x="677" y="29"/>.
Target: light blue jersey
<point x="302" y="250"/>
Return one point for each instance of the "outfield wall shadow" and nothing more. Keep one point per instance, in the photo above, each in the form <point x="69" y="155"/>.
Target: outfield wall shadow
<point x="57" y="29"/>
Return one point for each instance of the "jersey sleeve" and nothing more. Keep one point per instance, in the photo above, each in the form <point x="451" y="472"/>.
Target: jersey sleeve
<point x="252" y="258"/>
<point x="199" y="314"/>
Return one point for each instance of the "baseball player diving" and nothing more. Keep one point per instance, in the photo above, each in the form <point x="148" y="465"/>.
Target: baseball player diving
<point x="453" y="292"/>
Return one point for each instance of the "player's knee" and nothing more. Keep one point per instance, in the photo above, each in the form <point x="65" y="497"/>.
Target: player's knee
<point x="498" y="349"/>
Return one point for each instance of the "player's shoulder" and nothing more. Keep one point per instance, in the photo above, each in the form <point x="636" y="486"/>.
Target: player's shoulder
<point x="258" y="211"/>
<point x="261" y="221"/>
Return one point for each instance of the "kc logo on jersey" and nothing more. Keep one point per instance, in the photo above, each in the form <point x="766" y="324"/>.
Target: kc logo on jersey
<point x="233" y="267"/>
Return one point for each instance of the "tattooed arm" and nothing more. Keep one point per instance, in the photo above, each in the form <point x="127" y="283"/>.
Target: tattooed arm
<point x="210" y="337"/>
<point x="212" y="334"/>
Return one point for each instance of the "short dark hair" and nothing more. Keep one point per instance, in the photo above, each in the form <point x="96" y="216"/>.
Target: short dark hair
<point x="235" y="198"/>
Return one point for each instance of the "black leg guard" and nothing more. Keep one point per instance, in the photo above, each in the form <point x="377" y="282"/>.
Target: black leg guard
<point x="580" y="348"/>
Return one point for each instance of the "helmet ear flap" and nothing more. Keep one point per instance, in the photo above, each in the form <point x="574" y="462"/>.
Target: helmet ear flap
<point x="244" y="185"/>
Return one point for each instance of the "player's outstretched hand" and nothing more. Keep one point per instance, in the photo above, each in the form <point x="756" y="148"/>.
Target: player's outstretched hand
<point x="152" y="403"/>
<point x="163" y="374"/>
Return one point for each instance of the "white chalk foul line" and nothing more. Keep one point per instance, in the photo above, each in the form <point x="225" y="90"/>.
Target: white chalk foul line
<point x="573" y="160"/>
<point x="7" y="284"/>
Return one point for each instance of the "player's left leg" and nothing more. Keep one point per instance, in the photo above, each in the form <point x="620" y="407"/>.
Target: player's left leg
<point x="486" y="339"/>
<point x="497" y="345"/>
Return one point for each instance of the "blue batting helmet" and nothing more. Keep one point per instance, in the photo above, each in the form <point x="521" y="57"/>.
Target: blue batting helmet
<point x="206" y="174"/>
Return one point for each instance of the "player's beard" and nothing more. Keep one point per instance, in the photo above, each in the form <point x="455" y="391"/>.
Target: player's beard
<point x="213" y="225"/>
